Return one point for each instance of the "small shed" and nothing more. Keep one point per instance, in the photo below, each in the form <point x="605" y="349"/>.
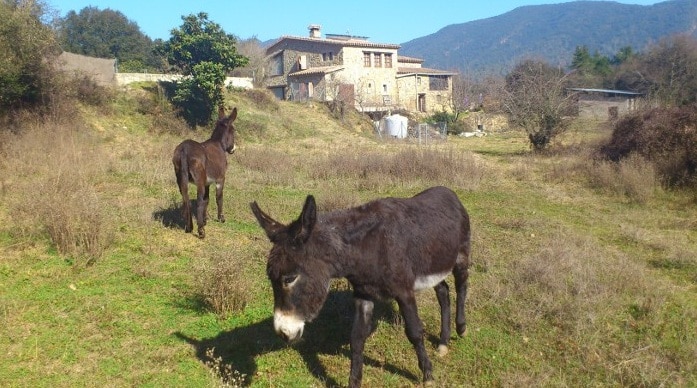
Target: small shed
<point x="610" y="103"/>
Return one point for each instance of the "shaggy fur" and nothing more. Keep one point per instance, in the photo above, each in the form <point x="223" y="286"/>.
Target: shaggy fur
<point x="387" y="248"/>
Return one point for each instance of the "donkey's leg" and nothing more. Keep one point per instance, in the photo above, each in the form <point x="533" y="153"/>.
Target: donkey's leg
<point x="443" y="294"/>
<point x="461" y="273"/>
<point x="201" y="206"/>
<point x="362" y="322"/>
<point x="219" y="200"/>
<point x="186" y="205"/>
<point x="415" y="332"/>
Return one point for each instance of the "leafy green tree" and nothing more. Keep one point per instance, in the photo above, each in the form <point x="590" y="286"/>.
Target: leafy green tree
<point x="108" y="34"/>
<point x="27" y="48"/>
<point x="202" y="50"/>
<point x="590" y="70"/>
<point x="536" y="99"/>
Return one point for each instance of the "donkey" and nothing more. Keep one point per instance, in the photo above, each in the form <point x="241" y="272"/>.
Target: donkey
<point x="203" y="164"/>
<point x="387" y="248"/>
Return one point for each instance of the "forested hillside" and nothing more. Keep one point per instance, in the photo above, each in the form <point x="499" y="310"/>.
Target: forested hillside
<point x="551" y="32"/>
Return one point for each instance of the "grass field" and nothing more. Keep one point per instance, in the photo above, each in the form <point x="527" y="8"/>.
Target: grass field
<point x="583" y="273"/>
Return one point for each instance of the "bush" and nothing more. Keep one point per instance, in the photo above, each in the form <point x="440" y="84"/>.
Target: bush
<point x="28" y="52"/>
<point x="665" y="136"/>
<point x="222" y="285"/>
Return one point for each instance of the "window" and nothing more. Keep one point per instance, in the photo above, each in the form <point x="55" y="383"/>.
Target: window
<point x="388" y="60"/>
<point x="366" y="59"/>
<point x="310" y="89"/>
<point x="328" y="56"/>
<point x="438" y="82"/>
<point x="384" y="88"/>
<point x="378" y="60"/>
<point x="276" y="65"/>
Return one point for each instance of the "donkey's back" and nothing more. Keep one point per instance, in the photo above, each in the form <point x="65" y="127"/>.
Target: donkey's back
<point x="413" y="242"/>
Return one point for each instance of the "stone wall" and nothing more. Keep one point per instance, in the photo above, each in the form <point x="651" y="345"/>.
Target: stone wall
<point x="100" y="70"/>
<point x="128" y="78"/>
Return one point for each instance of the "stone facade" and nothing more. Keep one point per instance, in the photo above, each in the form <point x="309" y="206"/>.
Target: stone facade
<point x="369" y="76"/>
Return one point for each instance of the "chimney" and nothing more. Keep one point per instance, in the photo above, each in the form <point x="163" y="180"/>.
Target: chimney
<point x="315" y="30"/>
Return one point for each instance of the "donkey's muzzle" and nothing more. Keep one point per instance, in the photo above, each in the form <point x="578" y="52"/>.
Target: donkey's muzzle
<point x="287" y="326"/>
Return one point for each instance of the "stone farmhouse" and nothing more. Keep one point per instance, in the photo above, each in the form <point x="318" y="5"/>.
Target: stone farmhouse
<point x="372" y="77"/>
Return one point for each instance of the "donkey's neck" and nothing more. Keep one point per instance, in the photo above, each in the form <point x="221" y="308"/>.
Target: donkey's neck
<point x="345" y="234"/>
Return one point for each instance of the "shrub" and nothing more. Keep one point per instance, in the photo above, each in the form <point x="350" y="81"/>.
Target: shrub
<point x="667" y="137"/>
<point x="223" y="287"/>
<point x="633" y="177"/>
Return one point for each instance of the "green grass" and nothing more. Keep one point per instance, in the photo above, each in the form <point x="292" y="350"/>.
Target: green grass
<point x="570" y="285"/>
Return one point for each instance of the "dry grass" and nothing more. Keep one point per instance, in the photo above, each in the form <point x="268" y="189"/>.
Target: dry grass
<point x="633" y="177"/>
<point x="52" y="189"/>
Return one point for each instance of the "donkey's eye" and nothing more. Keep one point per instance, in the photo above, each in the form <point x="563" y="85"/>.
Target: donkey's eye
<point x="289" y="279"/>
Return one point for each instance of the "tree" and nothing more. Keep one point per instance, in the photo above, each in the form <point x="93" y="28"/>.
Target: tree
<point x="204" y="53"/>
<point x="28" y="49"/>
<point x="536" y="99"/>
<point x="108" y="34"/>
<point x="666" y="72"/>
<point x="590" y="70"/>
<point x="253" y="50"/>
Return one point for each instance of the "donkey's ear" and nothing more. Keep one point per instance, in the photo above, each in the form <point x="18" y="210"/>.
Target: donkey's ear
<point x="233" y="115"/>
<point x="270" y="226"/>
<point x="306" y="221"/>
<point x="221" y="111"/>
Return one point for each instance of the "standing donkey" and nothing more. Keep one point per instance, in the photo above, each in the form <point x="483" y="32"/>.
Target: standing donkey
<point x="203" y="164"/>
<point x="387" y="248"/>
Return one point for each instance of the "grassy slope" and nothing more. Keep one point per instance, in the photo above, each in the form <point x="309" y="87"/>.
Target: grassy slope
<point x="569" y="285"/>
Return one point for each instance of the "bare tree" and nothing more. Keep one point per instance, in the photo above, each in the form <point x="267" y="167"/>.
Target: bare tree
<point x="535" y="97"/>
<point x="252" y="49"/>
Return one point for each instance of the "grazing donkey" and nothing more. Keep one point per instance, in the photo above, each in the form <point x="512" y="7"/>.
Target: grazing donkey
<point x="203" y="164"/>
<point x="387" y="248"/>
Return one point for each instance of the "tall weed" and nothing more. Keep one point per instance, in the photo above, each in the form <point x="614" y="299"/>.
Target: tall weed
<point x="50" y="177"/>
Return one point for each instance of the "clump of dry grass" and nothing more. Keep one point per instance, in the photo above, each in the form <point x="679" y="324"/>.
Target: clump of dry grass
<point x="57" y="166"/>
<point x="375" y="169"/>
<point x="633" y="177"/>
<point x="223" y="284"/>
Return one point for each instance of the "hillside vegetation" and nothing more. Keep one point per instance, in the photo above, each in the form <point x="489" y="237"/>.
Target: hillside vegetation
<point x="584" y="273"/>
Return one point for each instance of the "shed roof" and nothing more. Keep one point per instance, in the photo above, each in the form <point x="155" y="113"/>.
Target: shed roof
<point x="608" y="91"/>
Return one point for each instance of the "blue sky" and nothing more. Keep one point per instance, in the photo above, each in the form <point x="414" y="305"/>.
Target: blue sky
<point x="380" y="20"/>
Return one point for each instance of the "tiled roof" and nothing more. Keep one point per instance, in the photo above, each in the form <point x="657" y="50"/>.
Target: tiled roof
<point x="343" y="43"/>
<point x="406" y="59"/>
<point x="316" y="70"/>
<point x="422" y="70"/>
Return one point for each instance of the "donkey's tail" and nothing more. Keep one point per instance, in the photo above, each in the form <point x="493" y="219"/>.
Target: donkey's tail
<point x="183" y="174"/>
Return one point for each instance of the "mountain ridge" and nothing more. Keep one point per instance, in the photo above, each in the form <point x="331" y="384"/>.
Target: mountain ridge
<point x="551" y="32"/>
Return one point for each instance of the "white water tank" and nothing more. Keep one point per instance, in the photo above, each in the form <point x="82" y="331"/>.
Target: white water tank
<point x="396" y="126"/>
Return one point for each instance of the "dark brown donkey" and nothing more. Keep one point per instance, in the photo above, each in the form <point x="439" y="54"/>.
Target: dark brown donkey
<point x="388" y="248"/>
<point x="203" y="164"/>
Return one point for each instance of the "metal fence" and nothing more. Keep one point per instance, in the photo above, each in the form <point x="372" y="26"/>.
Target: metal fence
<point x="426" y="133"/>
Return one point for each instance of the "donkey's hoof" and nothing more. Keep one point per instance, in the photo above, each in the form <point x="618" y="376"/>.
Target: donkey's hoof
<point x="201" y="234"/>
<point x="221" y="218"/>
<point x="442" y="350"/>
<point x="461" y="330"/>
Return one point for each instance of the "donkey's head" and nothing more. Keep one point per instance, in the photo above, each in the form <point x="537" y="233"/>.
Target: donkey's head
<point x="298" y="274"/>
<point x="224" y="131"/>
